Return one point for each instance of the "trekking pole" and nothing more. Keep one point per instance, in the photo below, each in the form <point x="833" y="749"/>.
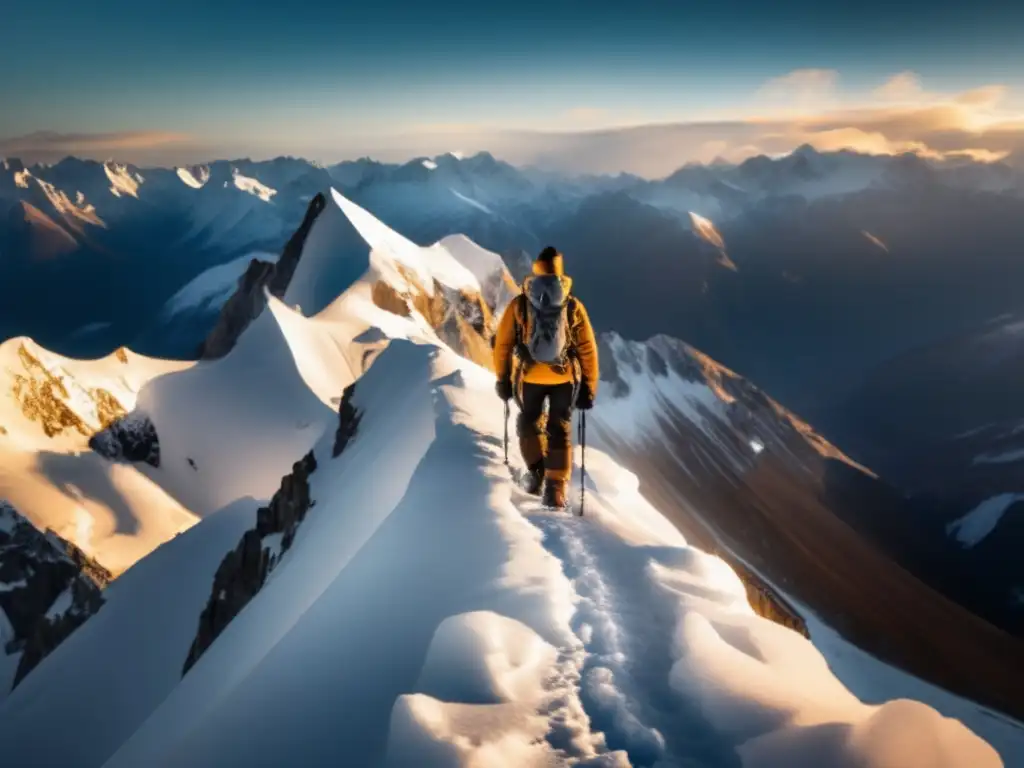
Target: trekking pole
<point x="506" y="432"/>
<point x="583" y="460"/>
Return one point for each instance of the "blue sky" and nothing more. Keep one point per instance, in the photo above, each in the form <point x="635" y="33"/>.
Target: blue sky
<point x="327" y="78"/>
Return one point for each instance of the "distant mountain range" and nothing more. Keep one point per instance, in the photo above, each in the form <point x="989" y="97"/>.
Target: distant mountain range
<point x="815" y="275"/>
<point x="838" y="260"/>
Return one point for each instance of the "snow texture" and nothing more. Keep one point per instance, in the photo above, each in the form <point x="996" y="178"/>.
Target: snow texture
<point x="876" y="682"/>
<point x="474" y="203"/>
<point x="123" y="183"/>
<point x="973" y="527"/>
<point x="706" y="230"/>
<point x="428" y="612"/>
<point x="1007" y="457"/>
<point x="193" y="179"/>
<point x="252" y="186"/>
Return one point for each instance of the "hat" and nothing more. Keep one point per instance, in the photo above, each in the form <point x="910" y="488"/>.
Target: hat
<point x="549" y="262"/>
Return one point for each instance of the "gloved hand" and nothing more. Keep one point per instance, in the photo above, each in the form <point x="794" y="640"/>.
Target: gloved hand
<point x="504" y="389"/>
<point x="584" y="398"/>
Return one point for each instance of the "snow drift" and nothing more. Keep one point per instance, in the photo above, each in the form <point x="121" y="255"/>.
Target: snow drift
<point x="425" y="612"/>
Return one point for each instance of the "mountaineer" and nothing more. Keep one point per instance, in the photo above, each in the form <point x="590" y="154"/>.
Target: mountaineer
<point x="545" y="352"/>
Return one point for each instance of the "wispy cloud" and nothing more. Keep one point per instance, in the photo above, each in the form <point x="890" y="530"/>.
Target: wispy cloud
<point x="805" y="107"/>
<point x="810" y="106"/>
<point x="46" y="146"/>
<point x="903" y="86"/>
<point x="801" y="89"/>
<point x="585" y="115"/>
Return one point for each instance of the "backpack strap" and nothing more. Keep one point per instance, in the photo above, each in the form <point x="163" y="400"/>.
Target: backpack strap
<point x="520" y="349"/>
<point x="571" y="313"/>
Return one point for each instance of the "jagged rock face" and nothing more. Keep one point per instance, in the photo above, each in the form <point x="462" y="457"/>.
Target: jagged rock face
<point x="348" y="421"/>
<point x="248" y="300"/>
<point x="464" y="320"/>
<point x="765" y="600"/>
<point x="48" y="588"/>
<point x="131" y="438"/>
<point x="243" y="571"/>
<point x="49" y="398"/>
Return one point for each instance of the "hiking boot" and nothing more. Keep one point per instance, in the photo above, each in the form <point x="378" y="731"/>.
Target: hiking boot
<point x="533" y="479"/>
<point x="554" y="494"/>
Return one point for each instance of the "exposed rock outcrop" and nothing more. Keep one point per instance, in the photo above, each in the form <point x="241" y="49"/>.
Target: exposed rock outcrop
<point x="348" y="421"/>
<point x="464" y="320"/>
<point x="248" y="300"/>
<point x="49" y="588"/>
<point x="245" y="569"/>
<point x="58" y="403"/>
<point x="765" y="600"/>
<point x="130" y="438"/>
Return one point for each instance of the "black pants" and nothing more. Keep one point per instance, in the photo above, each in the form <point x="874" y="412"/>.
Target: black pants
<point x="547" y="440"/>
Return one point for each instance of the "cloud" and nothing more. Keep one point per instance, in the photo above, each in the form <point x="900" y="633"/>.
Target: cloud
<point x="588" y="115"/>
<point x="904" y="86"/>
<point x="802" y="82"/>
<point x="986" y="96"/>
<point x="48" y="146"/>
<point x="898" y="117"/>
<point x="800" y="89"/>
<point x="802" y="107"/>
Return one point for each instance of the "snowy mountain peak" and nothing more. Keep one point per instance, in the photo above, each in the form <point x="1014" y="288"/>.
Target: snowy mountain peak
<point x="660" y="383"/>
<point x="123" y="182"/>
<point x="195" y="177"/>
<point x="391" y="254"/>
<point x="252" y="186"/>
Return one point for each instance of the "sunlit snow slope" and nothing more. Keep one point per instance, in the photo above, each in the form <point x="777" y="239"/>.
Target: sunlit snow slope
<point x="421" y="610"/>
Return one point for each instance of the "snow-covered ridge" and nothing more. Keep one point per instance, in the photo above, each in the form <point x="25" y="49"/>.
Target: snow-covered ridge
<point x="252" y="186"/>
<point x="122" y="181"/>
<point x="973" y="527"/>
<point x="389" y="249"/>
<point x="51" y="408"/>
<point x="424" y="591"/>
<point x="194" y="177"/>
<point x="49" y="397"/>
<point x="644" y="377"/>
<point x="75" y="212"/>
<point x="210" y="289"/>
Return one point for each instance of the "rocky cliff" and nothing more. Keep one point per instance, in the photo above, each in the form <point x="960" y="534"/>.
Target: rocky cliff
<point x="245" y="569"/>
<point x="249" y="300"/>
<point x="48" y="588"/>
<point x="51" y="397"/>
<point x="129" y="438"/>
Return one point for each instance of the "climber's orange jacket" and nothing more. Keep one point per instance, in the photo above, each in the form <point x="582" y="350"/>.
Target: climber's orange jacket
<point x="512" y="328"/>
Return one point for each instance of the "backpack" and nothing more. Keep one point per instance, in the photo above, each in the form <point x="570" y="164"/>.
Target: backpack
<point x="547" y="311"/>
